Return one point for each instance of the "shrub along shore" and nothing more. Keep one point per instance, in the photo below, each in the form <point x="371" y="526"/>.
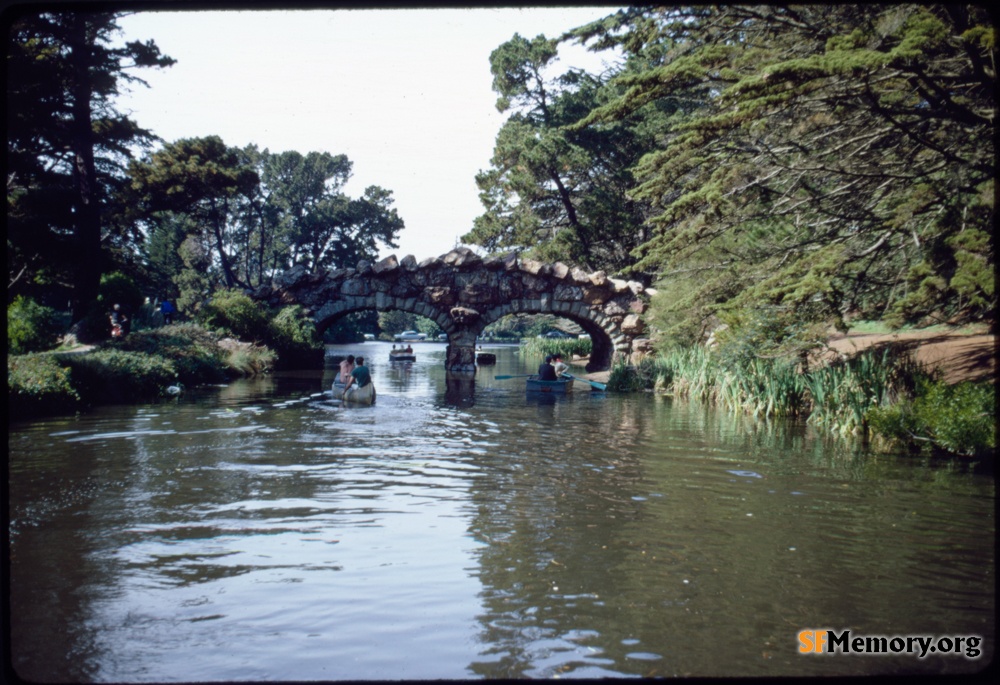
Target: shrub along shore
<point x="144" y="366"/>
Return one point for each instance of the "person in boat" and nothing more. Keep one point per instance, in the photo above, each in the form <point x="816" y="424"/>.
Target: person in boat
<point x="346" y="366"/>
<point x="559" y="365"/>
<point x="359" y="376"/>
<point x="547" y="372"/>
<point x="409" y="349"/>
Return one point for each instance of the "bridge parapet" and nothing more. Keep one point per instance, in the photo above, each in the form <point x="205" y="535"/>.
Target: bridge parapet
<point x="463" y="293"/>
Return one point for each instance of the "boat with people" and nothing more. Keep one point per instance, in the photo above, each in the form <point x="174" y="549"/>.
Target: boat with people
<point x="356" y="395"/>
<point x="559" y="387"/>
<point x="364" y="394"/>
<point x="403" y="354"/>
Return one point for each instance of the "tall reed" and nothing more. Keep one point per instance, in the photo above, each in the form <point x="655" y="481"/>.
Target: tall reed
<point x="836" y="397"/>
<point x="541" y="347"/>
<point x="843" y="393"/>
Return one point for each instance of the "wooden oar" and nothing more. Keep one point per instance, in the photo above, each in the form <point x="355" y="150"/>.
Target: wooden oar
<point x="594" y="384"/>
<point x="503" y="378"/>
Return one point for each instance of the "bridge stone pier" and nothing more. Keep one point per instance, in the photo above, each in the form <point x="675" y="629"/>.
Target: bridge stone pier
<point x="463" y="293"/>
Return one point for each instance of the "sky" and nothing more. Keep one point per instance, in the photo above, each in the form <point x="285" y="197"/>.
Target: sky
<point x="405" y="94"/>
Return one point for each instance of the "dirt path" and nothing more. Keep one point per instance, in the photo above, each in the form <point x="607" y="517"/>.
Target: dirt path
<point x="959" y="357"/>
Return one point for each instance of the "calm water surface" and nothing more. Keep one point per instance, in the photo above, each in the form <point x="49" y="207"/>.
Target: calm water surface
<point x="258" y="531"/>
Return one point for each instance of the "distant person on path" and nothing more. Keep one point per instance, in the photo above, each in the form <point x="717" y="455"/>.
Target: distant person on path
<point x="168" y="311"/>
<point x="547" y="372"/>
<point x="118" y="322"/>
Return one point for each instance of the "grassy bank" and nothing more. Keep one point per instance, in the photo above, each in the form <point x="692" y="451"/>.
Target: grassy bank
<point x="879" y="395"/>
<point x="144" y="366"/>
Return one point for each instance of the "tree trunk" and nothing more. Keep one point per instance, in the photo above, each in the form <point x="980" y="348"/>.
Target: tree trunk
<point x="87" y="215"/>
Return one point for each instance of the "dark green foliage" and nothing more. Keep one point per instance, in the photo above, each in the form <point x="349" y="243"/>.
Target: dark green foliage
<point x="31" y="327"/>
<point x="396" y="321"/>
<point x="221" y="217"/>
<point x="39" y="385"/>
<point x="292" y="336"/>
<point x="556" y="192"/>
<point x="517" y="327"/>
<point x="66" y="147"/>
<point x="289" y="333"/>
<point x="352" y="327"/>
<point x="960" y="418"/>
<point x="766" y="333"/>
<point x="194" y="351"/>
<point x="830" y="160"/>
<point x="139" y="368"/>
<point x="119" y="376"/>
<point x="118" y="288"/>
<point x="234" y="311"/>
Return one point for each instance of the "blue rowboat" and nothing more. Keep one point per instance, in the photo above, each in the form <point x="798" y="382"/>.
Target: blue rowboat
<point x="559" y="387"/>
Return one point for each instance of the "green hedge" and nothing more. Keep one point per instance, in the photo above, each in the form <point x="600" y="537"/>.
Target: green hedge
<point x="118" y="376"/>
<point x="194" y="351"/>
<point x="39" y="385"/>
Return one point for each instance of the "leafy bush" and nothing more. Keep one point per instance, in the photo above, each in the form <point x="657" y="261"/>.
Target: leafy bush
<point x="247" y="359"/>
<point x="291" y="328"/>
<point x="38" y="385"/>
<point x="236" y="312"/>
<point x="31" y="327"/>
<point x="749" y="335"/>
<point x="195" y="351"/>
<point x="115" y="375"/>
<point x="957" y="418"/>
<point x="289" y="333"/>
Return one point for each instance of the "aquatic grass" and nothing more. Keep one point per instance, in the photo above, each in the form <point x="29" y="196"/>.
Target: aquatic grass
<point x="567" y="347"/>
<point x="839" y="397"/>
<point x="625" y="377"/>
<point x="844" y="392"/>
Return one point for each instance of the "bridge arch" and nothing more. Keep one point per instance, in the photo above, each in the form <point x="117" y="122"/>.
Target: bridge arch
<point x="463" y="293"/>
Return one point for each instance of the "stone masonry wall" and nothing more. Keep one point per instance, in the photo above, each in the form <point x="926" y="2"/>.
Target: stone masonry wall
<point x="463" y="293"/>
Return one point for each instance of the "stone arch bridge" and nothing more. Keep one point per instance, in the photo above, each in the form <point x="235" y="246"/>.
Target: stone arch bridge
<point x="463" y="293"/>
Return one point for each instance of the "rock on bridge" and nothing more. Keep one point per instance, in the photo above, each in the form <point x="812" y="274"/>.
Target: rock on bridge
<point x="463" y="293"/>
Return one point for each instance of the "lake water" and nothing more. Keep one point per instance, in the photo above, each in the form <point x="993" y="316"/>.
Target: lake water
<point x="258" y="531"/>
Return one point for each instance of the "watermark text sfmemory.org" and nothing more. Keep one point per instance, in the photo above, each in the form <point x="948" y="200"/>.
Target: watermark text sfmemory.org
<point x="827" y="641"/>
